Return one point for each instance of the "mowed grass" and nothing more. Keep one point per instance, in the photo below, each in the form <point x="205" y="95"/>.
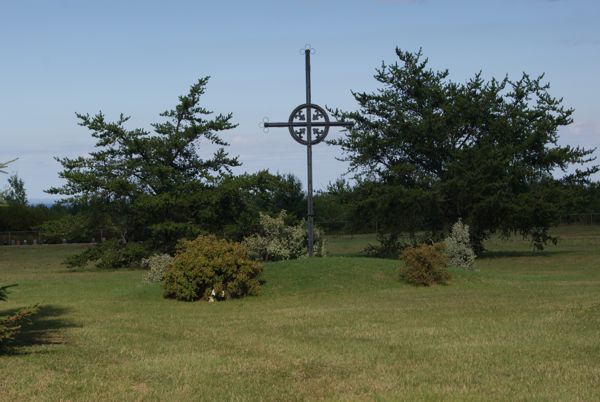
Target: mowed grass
<point x="525" y="326"/>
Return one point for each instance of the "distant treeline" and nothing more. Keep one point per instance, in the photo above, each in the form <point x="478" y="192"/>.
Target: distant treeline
<point x="424" y="151"/>
<point x="339" y="208"/>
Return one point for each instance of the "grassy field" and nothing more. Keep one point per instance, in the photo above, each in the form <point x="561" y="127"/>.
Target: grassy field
<point x="525" y="326"/>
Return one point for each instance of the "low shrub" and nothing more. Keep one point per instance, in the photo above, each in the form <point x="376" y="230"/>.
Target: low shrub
<point x="3" y="291"/>
<point x="157" y="265"/>
<point x="425" y="265"/>
<point x="458" y="246"/>
<point x="11" y="324"/>
<point x="73" y="228"/>
<point x="389" y="246"/>
<point x="211" y="269"/>
<point x="110" y="255"/>
<point x="277" y="240"/>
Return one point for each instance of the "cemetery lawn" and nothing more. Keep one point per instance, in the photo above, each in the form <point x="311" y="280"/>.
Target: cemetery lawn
<point x="526" y="326"/>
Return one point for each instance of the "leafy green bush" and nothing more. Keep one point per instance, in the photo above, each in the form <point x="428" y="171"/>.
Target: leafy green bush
<point x="277" y="240"/>
<point x="458" y="246"/>
<point x="110" y="255"/>
<point x="211" y="269"/>
<point x="425" y="265"/>
<point x="158" y="265"/>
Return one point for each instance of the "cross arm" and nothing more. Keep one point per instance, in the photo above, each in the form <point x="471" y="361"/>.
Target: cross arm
<point x="313" y="124"/>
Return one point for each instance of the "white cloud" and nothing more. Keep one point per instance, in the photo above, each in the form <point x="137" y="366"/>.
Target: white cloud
<point x="585" y="133"/>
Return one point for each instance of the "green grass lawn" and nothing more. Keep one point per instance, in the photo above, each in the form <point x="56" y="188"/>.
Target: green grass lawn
<point x="525" y="326"/>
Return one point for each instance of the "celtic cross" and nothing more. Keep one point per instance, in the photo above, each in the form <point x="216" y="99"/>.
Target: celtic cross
<point x="309" y="124"/>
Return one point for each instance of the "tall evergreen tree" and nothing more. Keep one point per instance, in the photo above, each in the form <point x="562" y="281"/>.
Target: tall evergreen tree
<point x="435" y="151"/>
<point x="152" y="185"/>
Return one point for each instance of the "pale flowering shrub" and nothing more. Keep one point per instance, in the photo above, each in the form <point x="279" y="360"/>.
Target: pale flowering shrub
<point x="319" y="243"/>
<point x="158" y="265"/>
<point x="277" y="241"/>
<point x="458" y="246"/>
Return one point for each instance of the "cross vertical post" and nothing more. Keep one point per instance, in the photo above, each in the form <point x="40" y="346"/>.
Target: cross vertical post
<point x="311" y="213"/>
<point x="305" y="121"/>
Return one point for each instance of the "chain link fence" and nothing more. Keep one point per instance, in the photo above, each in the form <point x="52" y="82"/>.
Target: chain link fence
<point x="331" y="228"/>
<point x="36" y="237"/>
<point x="347" y="228"/>
<point x="588" y="218"/>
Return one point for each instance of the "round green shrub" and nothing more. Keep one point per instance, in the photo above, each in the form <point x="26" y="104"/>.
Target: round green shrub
<point x="211" y="269"/>
<point x="425" y="265"/>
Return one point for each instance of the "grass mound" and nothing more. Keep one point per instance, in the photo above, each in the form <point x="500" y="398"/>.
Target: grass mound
<point x="524" y="326"/>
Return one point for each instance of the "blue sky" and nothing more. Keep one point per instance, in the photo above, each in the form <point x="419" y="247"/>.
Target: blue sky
<point x="60" y="57"/>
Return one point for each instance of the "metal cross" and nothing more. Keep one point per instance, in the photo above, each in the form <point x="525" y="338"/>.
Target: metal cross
<point x="305" y="120"/>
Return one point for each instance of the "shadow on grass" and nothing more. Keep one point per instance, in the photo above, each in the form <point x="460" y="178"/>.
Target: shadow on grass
<point x="513" y="253"/>
<point x="44" y="327"/>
